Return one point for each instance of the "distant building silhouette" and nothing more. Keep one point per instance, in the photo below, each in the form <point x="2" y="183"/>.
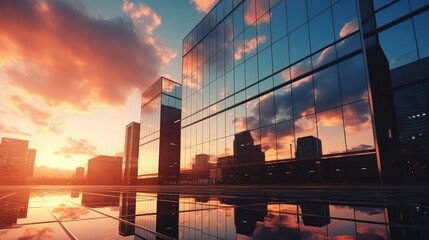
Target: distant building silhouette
<point x="132" y="134"/>
<point x="100" y="199"/>
<point x="315" y="214"/>
<point x="104" y="170"/>
<point x="309" y="147"/>
<point x="79" y="173"/>
<point x="16" y="162"/>
<point x="159" y="151"/>
<point x="245" y="150"/>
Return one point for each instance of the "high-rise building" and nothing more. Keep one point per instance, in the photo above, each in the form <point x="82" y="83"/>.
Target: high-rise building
<point x="79" y="175"/>
<point x="104" y="170"/>
<point x="16" y="162"/>
<point x="132" y="134"/>
<point x="308" y="147"/>
<point x="287" y="69"/>
<point x="159" y="150"/>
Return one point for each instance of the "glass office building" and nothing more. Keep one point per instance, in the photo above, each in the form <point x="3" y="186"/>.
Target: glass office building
<point x="329" y="91"/>
<point x="159" y="149"/>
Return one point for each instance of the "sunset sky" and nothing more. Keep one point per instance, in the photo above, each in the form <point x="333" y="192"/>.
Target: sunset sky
<point x="71" y="72"/>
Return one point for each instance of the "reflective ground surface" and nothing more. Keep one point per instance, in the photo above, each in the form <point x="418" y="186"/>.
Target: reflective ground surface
<point x="213" y="213"/>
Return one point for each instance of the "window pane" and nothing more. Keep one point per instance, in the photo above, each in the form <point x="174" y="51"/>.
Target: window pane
<point x="352" y="79"/>
<point x="266" y="84"/>
<point x="249" y="12"/>
<point x="251" y="71"/>
<point x="264" y="63"/>
<point x="239" y="50"/>
<point x="331" y="131"/>
<point x="280" y="54"/>
<point x="317" y="6"/>
<point x="358" y="126"/>
<point x="327" y="89"/>
<point x="303" y="98"/>
<point x="229" y="57"/>
<point x="416" y="4"/>
<point x="299" y="43"/>
<point x="220" y="36"/>
<point x="220" y="85"/>
<point x="238" y="20"/>
<point x="304" y="127"/>
<point x="393" y="12"/>
<point x="229" y="83"/>
<point x="239" y="76"/>
<point x="213" y="130"/>
<point x="250" y="42"/>
<point x="229" y="122"/>
<point x="252" y="91"/>
<point x="253" y="114"/>
<point x="296" y="13"/>
<point x="283" y="103"/>
<point x="240" y="118"/>
<point x="264" y="32"/>
<point x="220" y="64"/>
<point x="285" y="140"/>
<point x="345" y="18"/>
<point x="221" y="125"/>
<point x="268" y="143"/>
<point x="267" y="109"/>
<point x="422" y="33"/>
<point x="278" y="21"/>
<point x="321" y="30"/>
<point x="229" y="29"/>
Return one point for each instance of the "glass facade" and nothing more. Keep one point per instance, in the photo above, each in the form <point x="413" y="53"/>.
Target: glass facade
<point x="160" y="132"/>
<point x="296" y="83"/>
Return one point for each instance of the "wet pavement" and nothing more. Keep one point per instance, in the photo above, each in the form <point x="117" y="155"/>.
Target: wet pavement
<point x="213" y="212"/>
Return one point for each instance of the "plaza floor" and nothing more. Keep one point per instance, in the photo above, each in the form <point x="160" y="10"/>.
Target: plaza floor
<point x="213" y="212"/>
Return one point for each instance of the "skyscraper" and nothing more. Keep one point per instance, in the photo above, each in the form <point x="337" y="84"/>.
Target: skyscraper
<point x="159" y="150"/>
<point x="16" y="162"/>
<point x="104" y="170"/>
<point x="132" y="134"/>
<point x="287" y="69"/>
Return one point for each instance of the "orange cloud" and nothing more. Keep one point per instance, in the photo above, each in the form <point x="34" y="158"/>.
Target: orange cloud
<point x="203" y="6"/>
<point x="77" y="146"/>
<point x="12" y="130"/>
<point x="67" y="57"/>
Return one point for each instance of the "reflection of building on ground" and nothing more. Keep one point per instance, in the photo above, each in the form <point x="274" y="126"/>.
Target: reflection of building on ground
<point x="315" y="214"/>
<point x="404" y="222"/>
<point x="16" y="162"/>
<point x="104" y="170"/>
<point x="132" y="136"/>
<point x="79" y="175"/>
<point x="127" y="213"/>
<point x="100" y="199"/>
<point x="158" y="215"/>
<point x="309" y="147"/>
<point x="13" y="207"/>
<point x="159" y="151"/>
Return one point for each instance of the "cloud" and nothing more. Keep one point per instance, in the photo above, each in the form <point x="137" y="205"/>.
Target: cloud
<point x="77" y="146"/>
<point x="12" y="130"/>
<point x="349" y="27"/>
<point x="64" y="212"/>
<point x="69" y="61"/>
<point x="248" y="47"/>
<point x="37" y="234"/>
<point x="203" y="6"/>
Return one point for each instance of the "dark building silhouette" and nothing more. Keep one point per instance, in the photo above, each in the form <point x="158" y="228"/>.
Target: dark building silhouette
<point x="100" y="199"/>
<point x="13" y="207"/>
<point x="159" y="151"/>
<point x="16" y="162"/>
<point x="127" y="213"/>
<point x="245" y="151"/>
<point x="132" y="136"/>
<point x="309" y="147"/>
<point x="315" y="214"/>
<point x="104" y="170"/>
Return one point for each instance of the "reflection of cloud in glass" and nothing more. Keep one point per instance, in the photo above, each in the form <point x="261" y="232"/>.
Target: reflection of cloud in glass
<point x="357" y="117"/>
<point x="45" y="233"/>
<point x="349" y="28"/>
<point x="371" y="232"/>
<point x="65" y="212"/>
<point x="248" y="47"/>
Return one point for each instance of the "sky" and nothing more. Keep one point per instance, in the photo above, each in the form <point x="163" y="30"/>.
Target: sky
<point x="72" y="72"/>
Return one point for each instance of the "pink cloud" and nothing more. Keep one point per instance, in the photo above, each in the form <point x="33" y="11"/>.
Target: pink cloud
<point x="203" y="6"/>
<point x="349" y="27"/>
<point x="77" y="146"/>
<point x="249" y="46"/>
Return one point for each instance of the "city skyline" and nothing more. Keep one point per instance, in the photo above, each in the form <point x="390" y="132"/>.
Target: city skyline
<point x="72" y="81"/>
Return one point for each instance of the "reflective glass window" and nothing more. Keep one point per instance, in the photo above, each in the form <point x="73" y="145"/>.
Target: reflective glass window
<point x="303" y="97"/>
<point x="274" y="2"/>
<point x="300" y="68"/>
<point x="221" y="125"/>
<point x="229" y="29"/>
<point x="240" y="96"/>
<point x="330" y="130"/>
<point x="352" y="79"/>
<point x="206" y="99"/>
<point x="278" y="21"/>
<point x="220" y="85"/>
<point x="296" y="13"/>
<point x="381" y="3"/>
<point x="213" y="130"/>
<point x="229" y="57"/>
<point x="283" y="103"/>
<point x="251" y="71"/>
<point x="299" y="43"/>
<point x="393" y="12"/>
<point x="213" y="69"/>
<point x="323" y="57"/>
<point x="240" y="119"/>
<point x="220" y="36"/>
<point x="348" y="45"/>
<point x="265" y="66"/>
<point x="238" y="20"/>
<point x="305" y="127"/>
<point x="422" y="33"/>
<point x="250" y="41"/>
<point x="285" y="140"/>
<point x="213" y="43"/>
<point x="229" y="122"/>
<point x="321" y="30"/>
<point x="269" y="143"/>
<point x="262" y="6"/>
<point x="281" y="77"/>
<point x="206" y="128"/>
<point x="266" y="103"/>
<point x="249" y="12"/>
<point x="280" y="54"/>
<point x="220" y="11"/>
<point x="315" y="7"/>
<point x="213" y="92"/>
<point x="199" y="132"/>
<point x="239" y="78"/>
<point x="206" y="73"/>
<point x="266" y="84"/>
<point x="220" y="148"/>
<point x="213" y="151"/>
<point x="416" y="4"/>
<point x="220" y="63"/>
<point x="252" y="91"/>
<point x="358" y="126"/>
<point x="229" y="83"/>
<point x="327" y="89"/>
<point x="345" y="18"/>
<point x="253" y="114"/>
<point x="264" y="32"/>
<point x="239" y="49"/>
